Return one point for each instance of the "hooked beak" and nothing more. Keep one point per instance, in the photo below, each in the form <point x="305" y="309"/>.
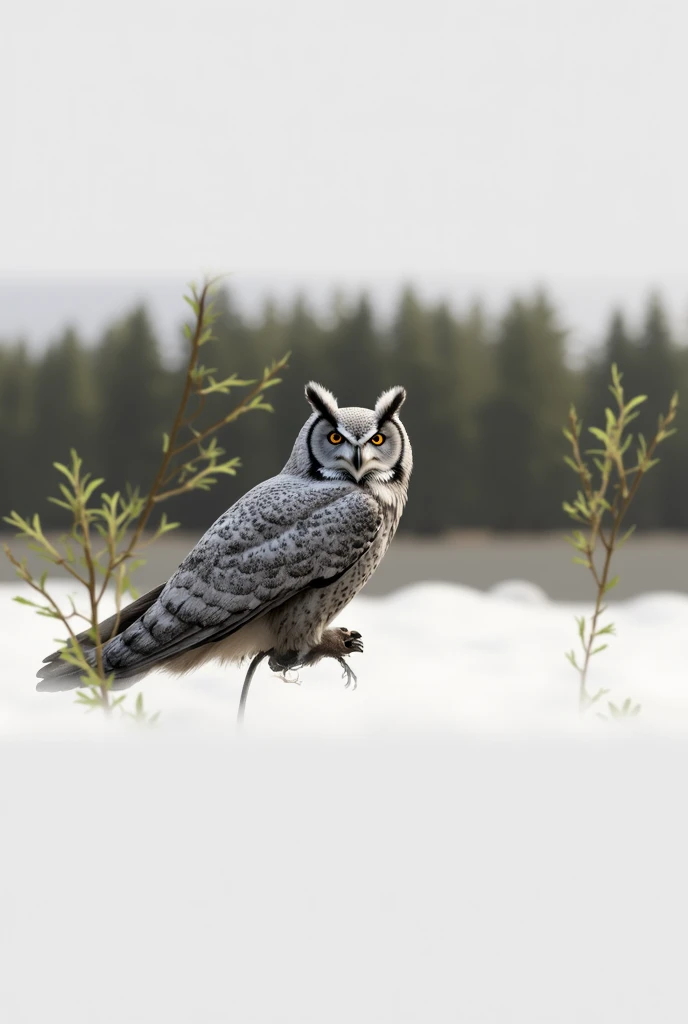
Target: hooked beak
<point x="358" y="458"/>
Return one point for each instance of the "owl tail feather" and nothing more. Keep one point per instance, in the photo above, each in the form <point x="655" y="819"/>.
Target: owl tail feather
<point x="57" y="674"/>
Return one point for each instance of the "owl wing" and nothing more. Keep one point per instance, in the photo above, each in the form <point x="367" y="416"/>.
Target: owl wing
<point x="284" y="536"/>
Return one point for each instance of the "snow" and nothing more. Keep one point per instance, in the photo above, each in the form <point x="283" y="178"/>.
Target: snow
<point x="437" y="657"/>
<point x="448" y="843"/>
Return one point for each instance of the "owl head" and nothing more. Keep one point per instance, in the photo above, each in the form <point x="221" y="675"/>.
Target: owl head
<point x="364" y="446"/>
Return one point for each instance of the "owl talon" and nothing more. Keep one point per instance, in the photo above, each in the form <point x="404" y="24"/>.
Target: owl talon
<point x="348" y="674"/>
<point x="284" y="677"/>
<point x="352" y="640"/>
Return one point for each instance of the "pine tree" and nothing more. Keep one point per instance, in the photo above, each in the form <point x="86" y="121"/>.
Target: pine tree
<point x="307" y="340"/>
<point x="245" y="350"/>
<point x="132" y="391"/>
<point x="484" y="413"/>
<point x="65" y="411"/>
<point x="412" y="360"/>
<point x="665" y="502"/>
<point x="272" y="343"/>
<point x="464" y="383"/>
<point x="449" y="416"/>
<point x="18" y="435"/>
<point x="618" y="348"/>
<point x="524" y="475"/>
<point x="354" y="356"/>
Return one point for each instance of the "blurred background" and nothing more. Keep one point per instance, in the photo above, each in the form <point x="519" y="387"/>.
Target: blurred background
<point x="484" y="202"/>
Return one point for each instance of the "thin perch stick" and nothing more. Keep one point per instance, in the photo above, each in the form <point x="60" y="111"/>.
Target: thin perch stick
<point x="247" y="685"/>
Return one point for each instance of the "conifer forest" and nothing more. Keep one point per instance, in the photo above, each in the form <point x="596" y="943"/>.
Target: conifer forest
<point x="487" y="399"/>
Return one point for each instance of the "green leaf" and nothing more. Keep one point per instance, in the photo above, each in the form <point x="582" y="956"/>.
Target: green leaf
<point x="94" y="485"/>
<point x="610" y="419"/>
<point x="193" y="303"/>
<point x="30" y="604"/>
<point x="638" y="400"/>
<point x="47" y="556"/>
<point x="625" y="537"/>
<point x="67" y="472"/>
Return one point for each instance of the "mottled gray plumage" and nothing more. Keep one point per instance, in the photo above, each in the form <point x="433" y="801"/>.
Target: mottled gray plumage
<point x="274" y="570"/>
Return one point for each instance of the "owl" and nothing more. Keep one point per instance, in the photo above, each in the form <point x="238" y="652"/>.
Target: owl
<point x="278" y="566"/>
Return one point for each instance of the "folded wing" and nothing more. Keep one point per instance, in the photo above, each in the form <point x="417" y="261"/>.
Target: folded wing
<point x="284" y="536"/>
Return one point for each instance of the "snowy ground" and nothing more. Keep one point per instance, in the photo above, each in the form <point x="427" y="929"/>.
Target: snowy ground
<point x="449" y="843"/>
<point x="438" y="657"/>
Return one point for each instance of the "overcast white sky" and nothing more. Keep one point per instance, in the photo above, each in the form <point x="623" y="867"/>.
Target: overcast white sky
<point x="511" y="139"/>
<point x="530" y="136"/>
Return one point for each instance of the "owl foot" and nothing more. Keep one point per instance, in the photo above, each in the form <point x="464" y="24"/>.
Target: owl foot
<point x="286" y="665"/>
<point x="283" y="662"/>
<point x="338" y="643"/>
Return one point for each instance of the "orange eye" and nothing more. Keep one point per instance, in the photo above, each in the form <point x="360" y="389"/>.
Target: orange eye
<point x="378" y="439"/>
<point x="335" y="438"/>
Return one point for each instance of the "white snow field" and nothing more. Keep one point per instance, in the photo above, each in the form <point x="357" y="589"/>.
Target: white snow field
<point x="448" y="843"/>
<point x="437" y="657"/>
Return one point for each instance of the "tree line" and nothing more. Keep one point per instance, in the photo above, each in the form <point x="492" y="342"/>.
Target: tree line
<point x="486" y="403"/>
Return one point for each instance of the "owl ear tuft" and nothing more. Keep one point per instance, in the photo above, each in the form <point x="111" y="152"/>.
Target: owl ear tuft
<point x="322" y="401"/>
<point x="389" y="403"/>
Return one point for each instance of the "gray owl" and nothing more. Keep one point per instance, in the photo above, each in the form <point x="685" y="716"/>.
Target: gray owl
<point x="274" y="570"/>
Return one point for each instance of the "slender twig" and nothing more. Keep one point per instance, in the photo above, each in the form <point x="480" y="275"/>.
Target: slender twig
<point x="93" y="601"/>
<point x="239" y="410"/>
<point x="40" y="589"/>
<point x="176" y="426"/>
<point x="592" y="507"/>
<point x="120" y="520"/>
